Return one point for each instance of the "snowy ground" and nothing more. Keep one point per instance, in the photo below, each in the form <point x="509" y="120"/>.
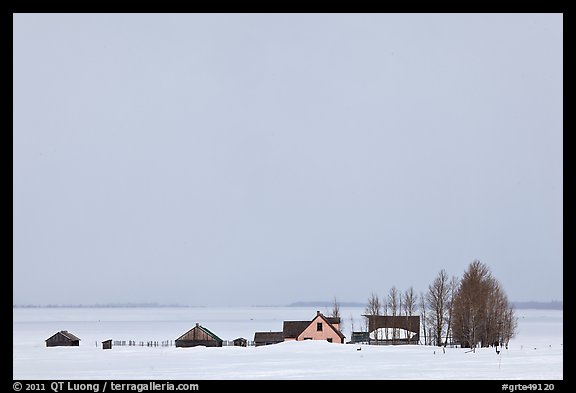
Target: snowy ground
<point x="536" y="353"/>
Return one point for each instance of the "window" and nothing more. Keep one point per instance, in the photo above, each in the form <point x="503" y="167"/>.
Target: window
<point x="329" y="339"/>
<point x="319" y="327"/>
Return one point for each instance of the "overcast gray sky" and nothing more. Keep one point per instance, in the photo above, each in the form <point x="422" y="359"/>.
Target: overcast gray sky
<point x="264" y="159"/>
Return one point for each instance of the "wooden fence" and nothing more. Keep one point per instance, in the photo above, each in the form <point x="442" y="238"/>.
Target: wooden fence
<point x="164" y="343"/>
<point x="151" y="343"/>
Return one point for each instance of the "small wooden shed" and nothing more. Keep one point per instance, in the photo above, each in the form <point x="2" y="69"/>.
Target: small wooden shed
<point x="360" y="337"/>
<point x="107" y="344"/>
<point x="198" y="335"/>
<point x="63" y="339"/>
<point x="240" y="342"/>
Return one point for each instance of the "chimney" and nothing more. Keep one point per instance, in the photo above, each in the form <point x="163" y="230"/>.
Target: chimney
<point x="197" y="324"/>
<point x="317" y="313"/>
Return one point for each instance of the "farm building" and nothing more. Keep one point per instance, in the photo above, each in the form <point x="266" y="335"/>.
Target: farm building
<point x="107" y="344"/>
<point x="360" y="337"/>
<point x="267" y="338"/>
<point x="379" y="325"/>
<point x="240" y="342"/>
<point x="319" y="328"/>
<point x="63" y="339"/>
<point x="198" y="335"/>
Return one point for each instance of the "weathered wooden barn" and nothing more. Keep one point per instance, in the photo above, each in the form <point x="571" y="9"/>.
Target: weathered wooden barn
<point x="107" y="344"/>
<point x="63" y="339"/>
<point x="268" y="338"/>
<point x="198" y="335"/>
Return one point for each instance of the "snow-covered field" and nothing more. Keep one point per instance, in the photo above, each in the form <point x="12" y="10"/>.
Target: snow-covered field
<point x="536" y="352"/>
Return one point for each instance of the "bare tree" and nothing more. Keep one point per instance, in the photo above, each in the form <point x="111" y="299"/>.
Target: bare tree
<point x="423" y="316"/>
<point x="373" y="310"/>
<point x="501" y="322"/>
<point x="470" y="305"/>
<point x="335" y="312"/>
<point x="495" y="307"/>
<point x="509" y="326"/>
<point x="393" y="306"/>
<point x="452" y="287"/>
<point x="385" y="312"/>
<point x="409" y="304"/>
<point x="437" y="299"/>
<point x="351" y="324"/>
<point x="399" y="311"/>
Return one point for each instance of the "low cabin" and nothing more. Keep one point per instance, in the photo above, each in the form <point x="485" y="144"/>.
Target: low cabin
<point x="240" y="342"/>
<point x="63" y="339"/>
<point x="107" y="344"/>
<point x="268" y="338"/>
<point x="196" y="336"/>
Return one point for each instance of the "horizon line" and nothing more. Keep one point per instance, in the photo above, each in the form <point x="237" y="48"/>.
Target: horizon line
<point x="516" y="304"/>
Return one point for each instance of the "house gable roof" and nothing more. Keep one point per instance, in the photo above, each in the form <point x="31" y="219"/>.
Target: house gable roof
<point x="66" y="334"/>
<point x="338" y="332"/>
<point x="205" y="330"/>
<point x="292" y="329"/>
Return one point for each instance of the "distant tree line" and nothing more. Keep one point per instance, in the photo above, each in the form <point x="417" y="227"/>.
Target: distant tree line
<point x="471" y="312"/>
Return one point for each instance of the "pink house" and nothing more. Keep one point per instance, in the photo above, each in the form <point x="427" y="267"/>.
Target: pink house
<point x="320" y="328"/>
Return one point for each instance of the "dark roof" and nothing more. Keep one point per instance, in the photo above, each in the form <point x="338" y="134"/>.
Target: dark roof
<point x="334" y="320"/>
<point x="268" y="337"/>
<point x="292" y="329"/>
<point x="411" y="323"/>
<point x="205" y="330"/>
<point x="69" y="335"/>
<point x="66" y="334"/>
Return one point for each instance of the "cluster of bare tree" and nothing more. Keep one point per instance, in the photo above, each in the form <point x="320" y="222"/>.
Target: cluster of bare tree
<point x="482" y="314"/>
<point x="471" y="312"/>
